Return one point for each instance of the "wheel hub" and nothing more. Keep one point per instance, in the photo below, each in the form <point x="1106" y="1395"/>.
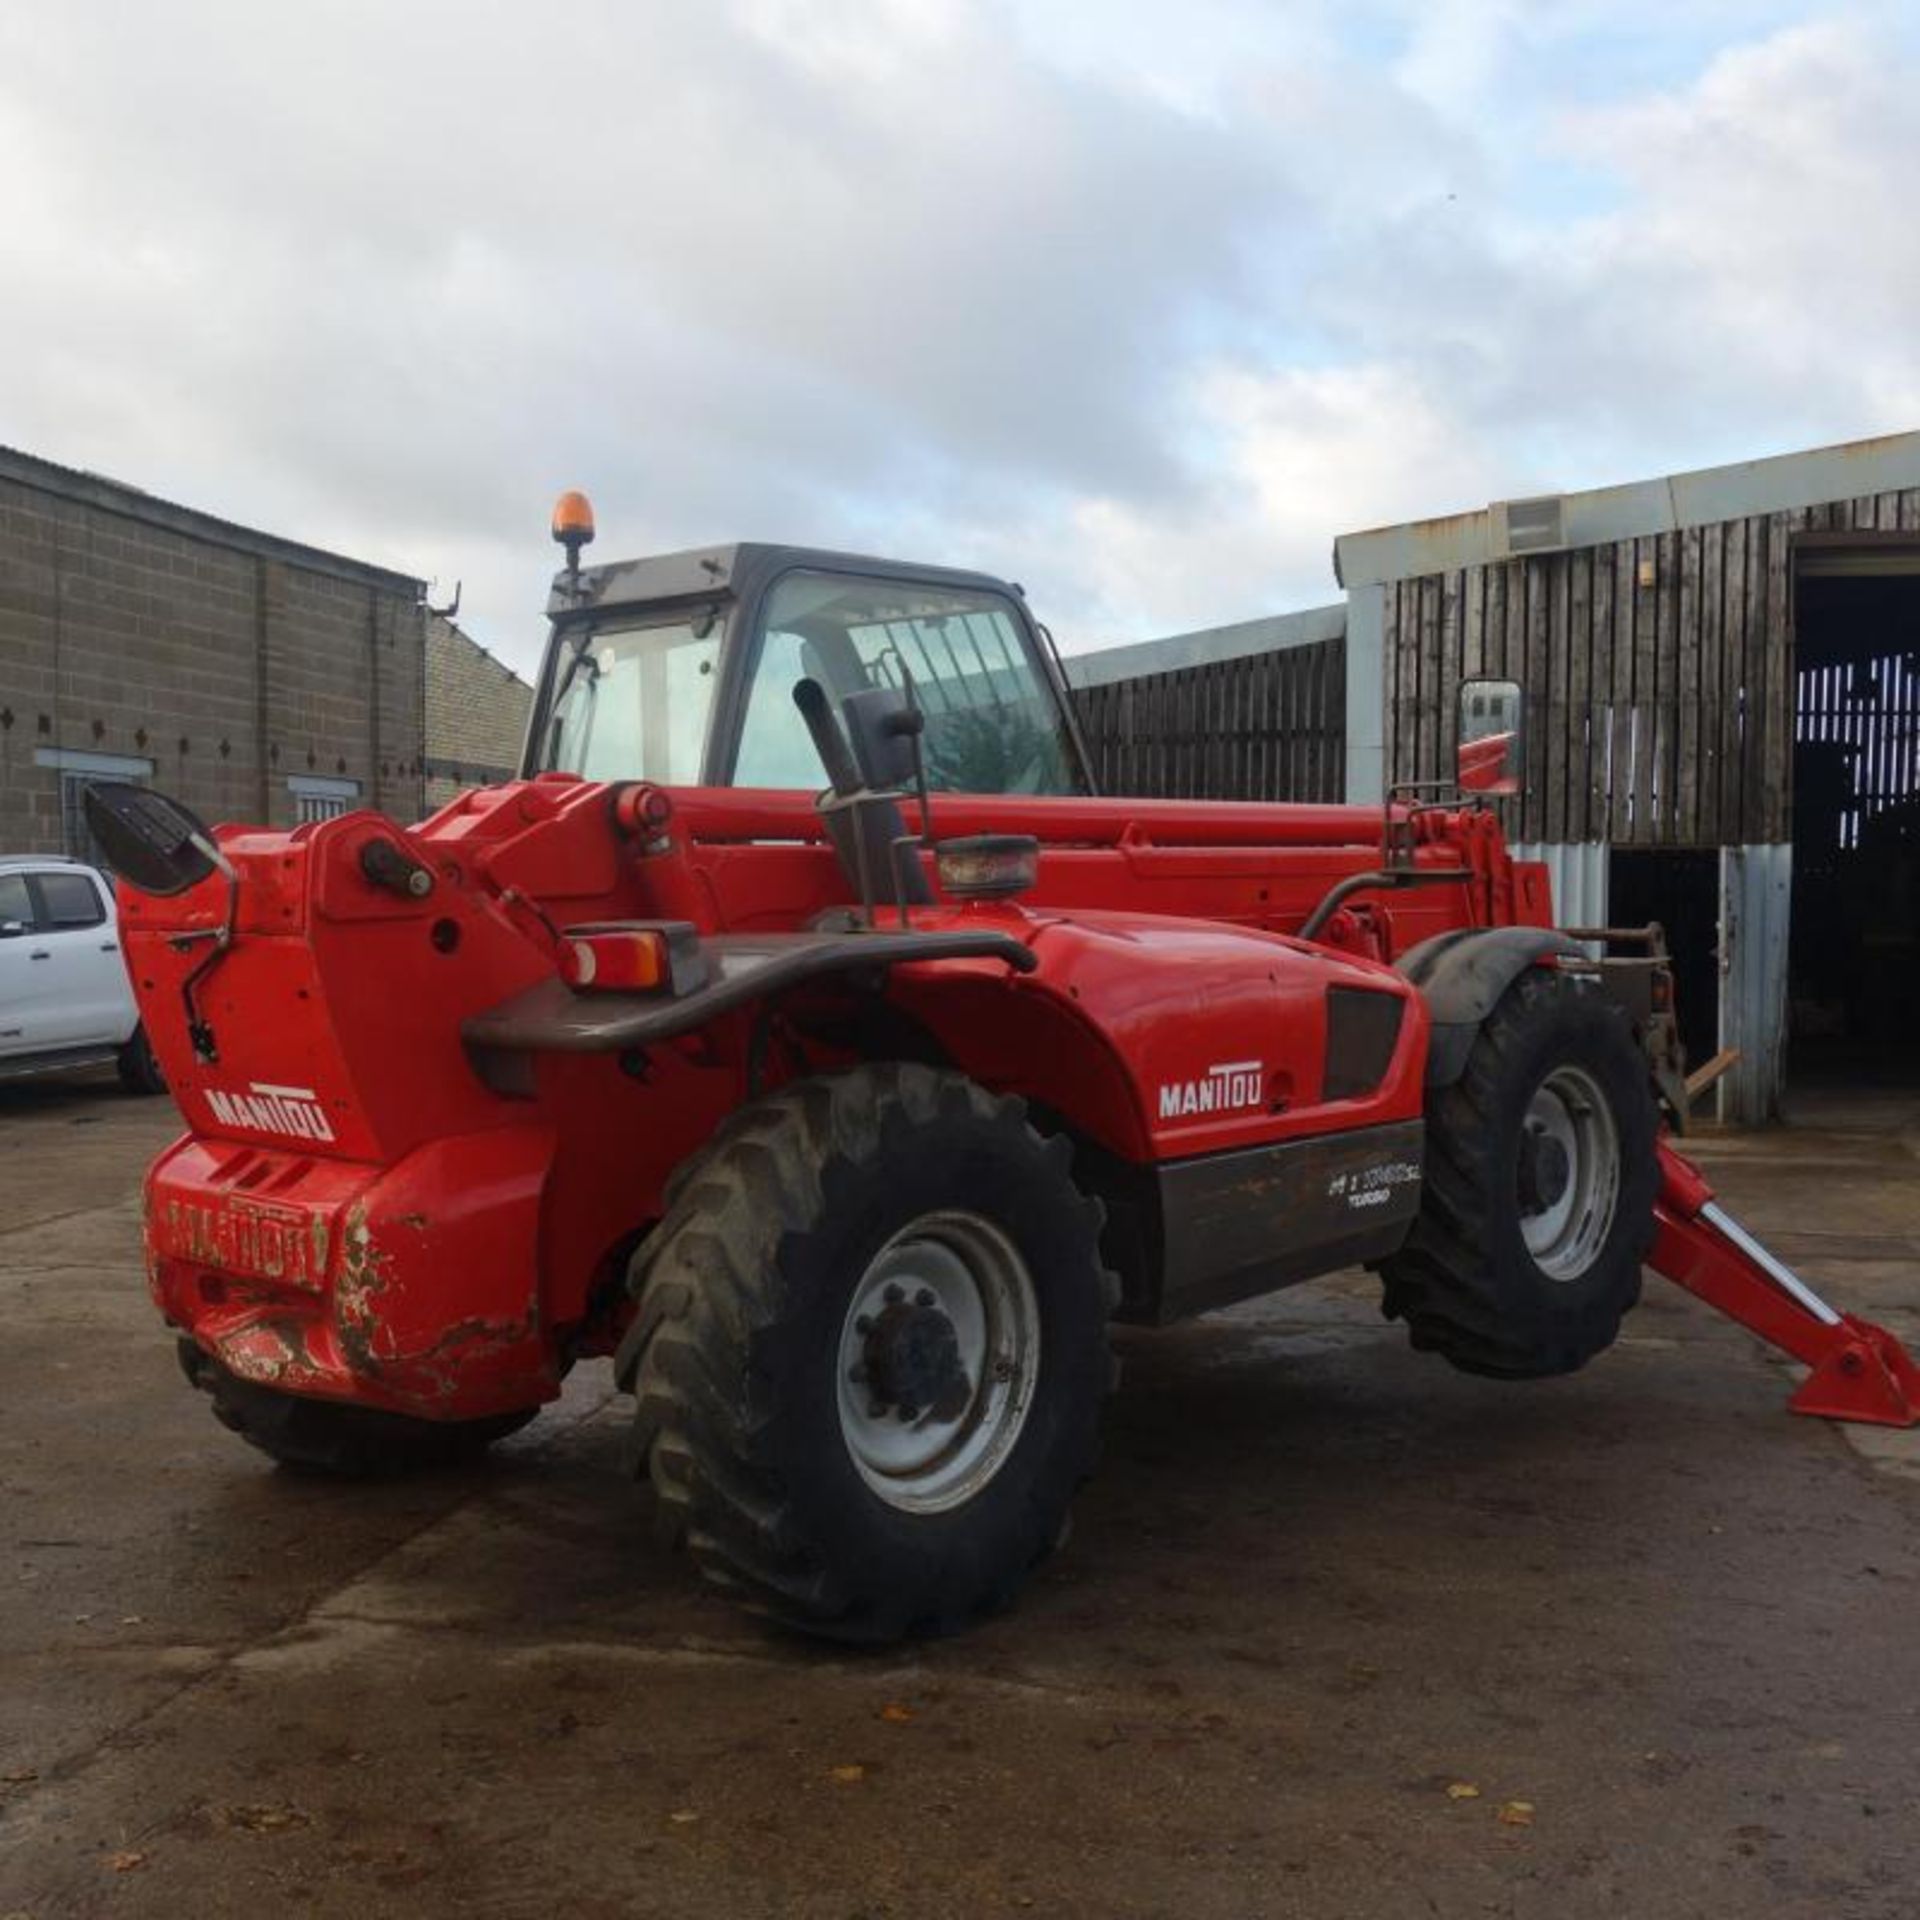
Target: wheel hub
<point x="1567" y="1173"/>
<point x="939" y="1355"/>
<point x="912" y="1359"/>
<point x="1546" y="1169"/>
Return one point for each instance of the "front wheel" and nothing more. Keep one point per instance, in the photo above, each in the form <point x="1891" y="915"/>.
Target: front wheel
<point x="871" y="1352"/>
<point x="1540" y="1176"/>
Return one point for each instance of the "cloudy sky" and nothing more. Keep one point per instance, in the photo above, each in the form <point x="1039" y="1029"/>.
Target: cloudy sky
<point x="1137" y="301"/>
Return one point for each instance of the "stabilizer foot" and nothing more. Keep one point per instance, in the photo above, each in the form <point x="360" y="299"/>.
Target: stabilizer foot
<point x="1860" y="1372"/>
<point x="1870" y="1378"/>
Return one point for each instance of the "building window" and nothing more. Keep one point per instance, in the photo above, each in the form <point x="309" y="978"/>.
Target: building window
<point x="78" y="771"/>
<point x="316" y="798"/>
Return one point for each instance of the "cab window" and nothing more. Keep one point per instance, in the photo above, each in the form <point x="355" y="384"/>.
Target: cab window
<point x="993" y="720"/>
<point x="634" y="702"/>
<point x="68" y="901"/>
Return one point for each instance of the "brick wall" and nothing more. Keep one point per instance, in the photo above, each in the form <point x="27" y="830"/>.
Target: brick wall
<point x="219" y="662"/>
<point x="476" y="714"/>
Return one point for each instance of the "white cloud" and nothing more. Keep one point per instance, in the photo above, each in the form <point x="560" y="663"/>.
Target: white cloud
<point x="1140" y="303"/>
<point x="1295" y="457"/>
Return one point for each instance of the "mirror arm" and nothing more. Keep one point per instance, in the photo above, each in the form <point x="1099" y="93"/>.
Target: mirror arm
<point x="200" y="1030"/>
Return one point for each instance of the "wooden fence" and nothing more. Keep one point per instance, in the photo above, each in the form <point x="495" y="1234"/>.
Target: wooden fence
<point x="1267" y="726"/>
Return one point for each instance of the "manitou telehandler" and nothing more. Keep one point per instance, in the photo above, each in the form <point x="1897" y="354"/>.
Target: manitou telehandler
<point x="845" y="1121"/>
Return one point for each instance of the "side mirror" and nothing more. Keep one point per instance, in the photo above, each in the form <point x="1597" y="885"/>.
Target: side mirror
<point x="1489" y="759"/>
<point x="884" y="726"/>
<point x="154" y="844"/>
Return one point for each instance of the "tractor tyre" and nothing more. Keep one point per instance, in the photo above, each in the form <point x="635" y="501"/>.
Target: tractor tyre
<point x="871" y="1352"/>
<point x="138" y="1069"/>
<point x="1540" y="1174"/>
<point x="330" y="1438"/>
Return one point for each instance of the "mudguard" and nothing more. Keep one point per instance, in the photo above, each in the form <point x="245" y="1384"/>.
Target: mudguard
<point x="1463" y="974"/>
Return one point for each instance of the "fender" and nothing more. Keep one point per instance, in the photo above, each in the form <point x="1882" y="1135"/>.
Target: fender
<point x="550" y="1017"/>
<point x="1463" y="974"/>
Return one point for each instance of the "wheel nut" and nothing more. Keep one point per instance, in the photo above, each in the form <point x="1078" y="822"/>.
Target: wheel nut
<point x="877" y="1410"/>
<point x="924" y="1298"/>
<point x="894" y="1294"/>
<point x="864" y="1325"/>
<point x="908" y="1415"/>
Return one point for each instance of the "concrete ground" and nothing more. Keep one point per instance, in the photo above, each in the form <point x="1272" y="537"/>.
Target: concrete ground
<point x="1340" y="1632"/>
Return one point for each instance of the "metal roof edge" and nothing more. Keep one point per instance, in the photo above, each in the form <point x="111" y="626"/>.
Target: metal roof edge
<point x="1205" y="645"/>
<point x="130" y="502"/>
<point x="1777" y="483"/>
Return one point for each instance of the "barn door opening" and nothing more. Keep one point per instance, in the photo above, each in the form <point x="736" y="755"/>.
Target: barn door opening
<point x="1855" y="948"/>
<point x="1680" y="888"/>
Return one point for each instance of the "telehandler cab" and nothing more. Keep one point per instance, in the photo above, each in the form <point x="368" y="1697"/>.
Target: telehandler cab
<point x="846" y="1121"/>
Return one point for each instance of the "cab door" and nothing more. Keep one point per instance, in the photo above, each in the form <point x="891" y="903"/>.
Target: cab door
<point x="80" y="996"/>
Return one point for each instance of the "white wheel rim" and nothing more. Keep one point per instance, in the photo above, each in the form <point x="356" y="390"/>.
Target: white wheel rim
<point x="961" y="1270"/>
<point x="1565" y="1230"/>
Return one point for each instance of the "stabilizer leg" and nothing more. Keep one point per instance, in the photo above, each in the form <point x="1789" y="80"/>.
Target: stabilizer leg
<point x="1860" y="1372"/>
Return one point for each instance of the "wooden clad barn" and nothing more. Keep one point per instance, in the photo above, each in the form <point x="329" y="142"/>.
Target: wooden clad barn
<point x="1722" y="680"/>
<point x="1722" y="709"/>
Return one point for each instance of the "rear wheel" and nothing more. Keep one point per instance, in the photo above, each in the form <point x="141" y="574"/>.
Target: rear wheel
<point x="871" y="1352"/>
<point x="1539" y="1186"/>
<point x="330" y="1437"/>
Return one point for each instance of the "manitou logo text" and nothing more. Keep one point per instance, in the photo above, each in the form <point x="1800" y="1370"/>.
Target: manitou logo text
<point x="1234" y="1087"/>
<point x="292" y="1111"/>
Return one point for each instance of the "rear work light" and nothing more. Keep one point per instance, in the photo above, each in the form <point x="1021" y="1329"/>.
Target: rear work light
<point x="632" y="956"/>
<point x="987" y="866"/>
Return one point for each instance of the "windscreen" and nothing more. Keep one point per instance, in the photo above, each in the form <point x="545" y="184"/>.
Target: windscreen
<point x="633" y="702"/>
<point x="993" y="720"/>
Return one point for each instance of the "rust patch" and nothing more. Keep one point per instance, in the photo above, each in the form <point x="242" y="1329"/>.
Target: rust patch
<point x="363" y="1278"/>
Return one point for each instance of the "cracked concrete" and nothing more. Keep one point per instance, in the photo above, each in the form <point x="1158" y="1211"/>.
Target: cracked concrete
<point x="1319" y="1582"/>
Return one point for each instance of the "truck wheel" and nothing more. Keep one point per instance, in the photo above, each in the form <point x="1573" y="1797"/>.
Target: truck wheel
<point x="871" y="1352"/>
<point x="328" y="1437"/>
<point x="139" y="1070"/>
<point x="1539" y="1188"/>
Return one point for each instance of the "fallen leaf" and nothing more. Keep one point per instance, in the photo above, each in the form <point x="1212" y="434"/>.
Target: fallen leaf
<point x="126" y="1862"/>
<point x="133" y="1619"/>
<point x="846" y="1776"/>
<point x="1463" y="1790"/>
<point x="1516" y="1813"/>
<point x="895" y="1712"/>
<point x="19" y="1776"/>
<point x="267" y="1819"/>
<point x="683" y="1817"/>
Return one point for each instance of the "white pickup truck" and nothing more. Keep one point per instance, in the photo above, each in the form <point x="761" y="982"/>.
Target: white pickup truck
<point x="64" y="996"/>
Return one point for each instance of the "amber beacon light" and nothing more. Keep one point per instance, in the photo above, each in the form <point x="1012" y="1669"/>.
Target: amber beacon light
<point x="573" y="520"/>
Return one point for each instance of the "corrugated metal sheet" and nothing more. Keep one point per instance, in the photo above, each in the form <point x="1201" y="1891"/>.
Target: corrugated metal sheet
<point x="1579" y="871"/>
<point x="1756" y="900"/>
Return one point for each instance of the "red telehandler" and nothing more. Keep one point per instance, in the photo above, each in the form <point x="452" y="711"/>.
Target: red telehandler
<point x="845" y="1120"/>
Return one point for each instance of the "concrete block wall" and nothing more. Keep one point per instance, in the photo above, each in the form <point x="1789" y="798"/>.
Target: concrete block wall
<point x="135" y="631"/>
<point x="476" y="714"/>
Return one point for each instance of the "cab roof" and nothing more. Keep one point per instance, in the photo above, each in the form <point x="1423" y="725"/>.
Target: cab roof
<point x="735" y="571"/>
